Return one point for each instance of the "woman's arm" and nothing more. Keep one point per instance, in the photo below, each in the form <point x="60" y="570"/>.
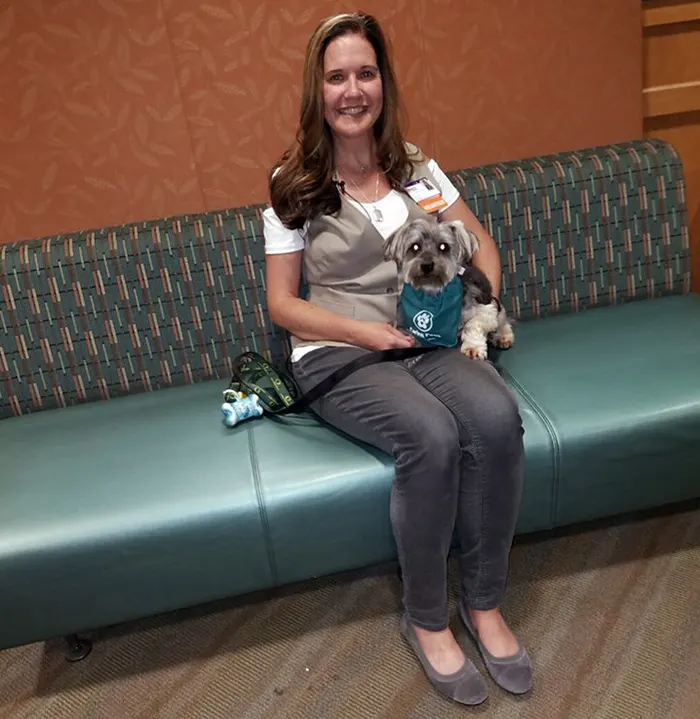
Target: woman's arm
<point x="308" y="322"/>
<point x="487" y="258"/>
<point x="286" y="309"/>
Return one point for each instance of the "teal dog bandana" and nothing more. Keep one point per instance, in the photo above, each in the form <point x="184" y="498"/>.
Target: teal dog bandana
<point x="432" y="318"/>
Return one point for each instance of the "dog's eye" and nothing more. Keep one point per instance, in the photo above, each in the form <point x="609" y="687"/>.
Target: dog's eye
<point x="444" y="247"/>
<point x="415" y="247"/>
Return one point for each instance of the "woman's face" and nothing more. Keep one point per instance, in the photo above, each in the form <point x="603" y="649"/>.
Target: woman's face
<point x="352" y="86"/>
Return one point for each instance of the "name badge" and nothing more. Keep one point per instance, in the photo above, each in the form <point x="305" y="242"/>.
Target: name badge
<point x="424" y="192"/>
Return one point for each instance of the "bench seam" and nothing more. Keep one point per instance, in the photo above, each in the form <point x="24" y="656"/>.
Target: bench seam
<point x="262" y="508"/>
<point x="556" y="447"/>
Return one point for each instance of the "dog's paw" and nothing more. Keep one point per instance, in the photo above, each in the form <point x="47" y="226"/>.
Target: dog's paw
<point x="501" y="342"/>
<point x="503" y="338"/>
<point x="477" y="353"/>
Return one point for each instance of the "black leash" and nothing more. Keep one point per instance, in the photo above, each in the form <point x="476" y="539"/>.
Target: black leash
<point x="278" y="392"/>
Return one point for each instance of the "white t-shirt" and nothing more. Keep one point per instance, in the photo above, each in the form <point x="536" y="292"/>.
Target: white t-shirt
<point x="279" y="239"/>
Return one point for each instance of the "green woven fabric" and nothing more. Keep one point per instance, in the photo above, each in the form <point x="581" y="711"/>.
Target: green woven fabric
<point x="110" y="312"/>
<point x="127" y="309"/>
<point x="588" y="228"/>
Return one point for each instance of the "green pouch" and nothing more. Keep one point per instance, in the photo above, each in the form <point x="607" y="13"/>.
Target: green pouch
<point x="253" y="374"/>
<point x="279" y="393"/>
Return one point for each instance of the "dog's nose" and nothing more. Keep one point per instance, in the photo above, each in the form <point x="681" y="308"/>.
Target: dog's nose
<point x="427" y="267"/>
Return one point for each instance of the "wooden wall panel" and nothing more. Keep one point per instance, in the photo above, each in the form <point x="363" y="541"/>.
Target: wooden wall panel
<point x="671" y="42"/>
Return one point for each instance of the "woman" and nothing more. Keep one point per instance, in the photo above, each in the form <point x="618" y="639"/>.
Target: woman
<point x="450" y="422"/>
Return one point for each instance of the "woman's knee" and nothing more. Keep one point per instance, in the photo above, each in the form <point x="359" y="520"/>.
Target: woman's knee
<point x="430" y="438"/>
<point x="498" y="413"/>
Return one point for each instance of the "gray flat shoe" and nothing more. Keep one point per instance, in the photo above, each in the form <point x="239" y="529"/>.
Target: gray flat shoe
<point x="513" y="673"/>
<point x="465" y="686"/>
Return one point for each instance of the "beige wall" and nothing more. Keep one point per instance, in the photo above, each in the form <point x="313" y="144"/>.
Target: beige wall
<point x="120" y="110"/>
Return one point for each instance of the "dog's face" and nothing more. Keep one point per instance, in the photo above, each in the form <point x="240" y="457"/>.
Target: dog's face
<point x="429" y="254"/>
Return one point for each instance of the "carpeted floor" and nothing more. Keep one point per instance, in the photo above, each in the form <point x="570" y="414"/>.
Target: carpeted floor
<point x="610" y="614"/>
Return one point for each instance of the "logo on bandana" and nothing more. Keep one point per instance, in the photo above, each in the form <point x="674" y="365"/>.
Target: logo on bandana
<point x="423" y="321"/>
<point x="432" y="318"/>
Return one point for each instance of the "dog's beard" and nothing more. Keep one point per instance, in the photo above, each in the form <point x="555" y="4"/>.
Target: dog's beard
<point x="431" y="283"/>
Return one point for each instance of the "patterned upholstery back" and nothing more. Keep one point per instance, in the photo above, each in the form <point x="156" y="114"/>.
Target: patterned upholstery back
<point x="134" y="308"/>
<point x="584" y="229"/>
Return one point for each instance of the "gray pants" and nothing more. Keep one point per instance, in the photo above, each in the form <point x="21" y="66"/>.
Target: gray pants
<point x="454" y="430"/>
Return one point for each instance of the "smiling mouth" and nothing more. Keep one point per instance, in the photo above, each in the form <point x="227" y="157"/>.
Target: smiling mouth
<point x="359" y="110"/>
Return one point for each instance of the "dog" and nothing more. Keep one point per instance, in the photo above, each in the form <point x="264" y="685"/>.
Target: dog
<point x="429" y="257"/>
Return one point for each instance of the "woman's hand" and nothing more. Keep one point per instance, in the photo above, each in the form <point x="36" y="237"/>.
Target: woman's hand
<point x="309" y="322"/>
<point x="380" y="336"/>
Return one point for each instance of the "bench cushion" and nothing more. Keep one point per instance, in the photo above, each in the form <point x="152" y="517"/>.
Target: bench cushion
<point x="124" y="508"/>
<point x="619" y="388"/>
<point x="142" y="504"/>
<point x="327" y="496"/>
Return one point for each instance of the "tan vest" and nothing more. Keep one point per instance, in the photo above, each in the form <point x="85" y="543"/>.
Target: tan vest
<point x="344" y="266"/>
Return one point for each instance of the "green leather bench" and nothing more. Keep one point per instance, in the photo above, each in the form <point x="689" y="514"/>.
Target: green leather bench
<point x="122" y="495"/>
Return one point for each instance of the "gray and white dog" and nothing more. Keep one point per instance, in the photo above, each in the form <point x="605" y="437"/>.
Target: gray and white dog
<point x="429" y="255"/>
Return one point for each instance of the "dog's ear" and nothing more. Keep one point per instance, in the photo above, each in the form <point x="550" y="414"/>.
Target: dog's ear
<point x="412" y="231"/>
<point x="467" y="241"/>
<point x="394" y="243"/>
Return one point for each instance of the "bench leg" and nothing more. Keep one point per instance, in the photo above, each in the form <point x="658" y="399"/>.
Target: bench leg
<point x="76" y="648"/>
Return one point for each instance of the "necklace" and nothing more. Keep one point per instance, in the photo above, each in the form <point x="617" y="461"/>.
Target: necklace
<point x="376" y="212"/>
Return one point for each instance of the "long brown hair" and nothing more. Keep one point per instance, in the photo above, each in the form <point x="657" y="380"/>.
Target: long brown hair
<point x="301" y="185"/>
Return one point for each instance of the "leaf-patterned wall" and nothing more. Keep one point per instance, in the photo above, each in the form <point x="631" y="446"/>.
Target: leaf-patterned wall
<point x="121" y="110"/>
